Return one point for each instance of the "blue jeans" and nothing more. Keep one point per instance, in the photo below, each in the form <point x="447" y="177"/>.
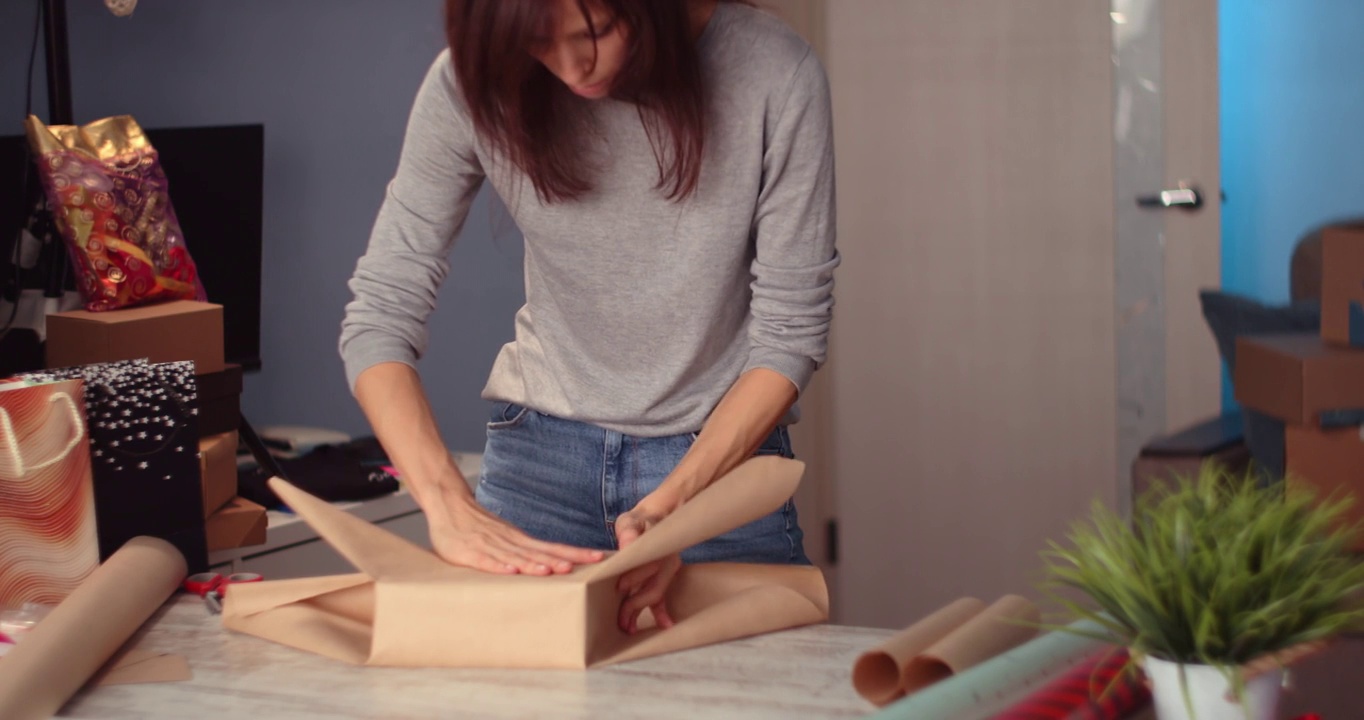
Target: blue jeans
<point x="566" y="482"/>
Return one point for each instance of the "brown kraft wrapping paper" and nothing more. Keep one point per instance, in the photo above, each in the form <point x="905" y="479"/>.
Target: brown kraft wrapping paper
<point x="407" y="607"/>
<point x="69" y="646"/>
<point x="955" y="638"/>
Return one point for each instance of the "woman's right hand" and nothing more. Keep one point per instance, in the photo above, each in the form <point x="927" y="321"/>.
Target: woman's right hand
<point x="462" y="531"/>
<point x="466" y="534"/>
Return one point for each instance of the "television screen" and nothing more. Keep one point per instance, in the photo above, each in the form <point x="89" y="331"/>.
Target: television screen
<point x="216" y="177"/>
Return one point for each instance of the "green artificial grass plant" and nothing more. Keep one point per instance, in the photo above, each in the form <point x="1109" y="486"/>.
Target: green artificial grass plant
<point x="1213" y="570"/>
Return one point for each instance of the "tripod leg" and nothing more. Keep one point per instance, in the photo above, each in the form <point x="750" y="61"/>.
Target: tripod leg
<point x="259" y="451"/>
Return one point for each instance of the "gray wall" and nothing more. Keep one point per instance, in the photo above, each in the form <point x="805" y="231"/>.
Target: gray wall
<point x="332" y="83"/>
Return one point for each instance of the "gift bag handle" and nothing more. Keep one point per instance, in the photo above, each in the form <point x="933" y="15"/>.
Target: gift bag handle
<point x="14" y="464"/>
<point x="171" y="438"/>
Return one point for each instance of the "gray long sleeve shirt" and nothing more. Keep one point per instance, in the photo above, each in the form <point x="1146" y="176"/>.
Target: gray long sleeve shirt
<point x="640" y="312"/>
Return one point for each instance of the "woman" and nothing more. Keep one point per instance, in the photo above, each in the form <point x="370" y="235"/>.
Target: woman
<point x="670" y="165"/>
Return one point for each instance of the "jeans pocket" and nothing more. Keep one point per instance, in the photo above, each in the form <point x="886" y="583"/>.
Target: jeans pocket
<point x="506" y="416"/>
<point x="778" y="443"/>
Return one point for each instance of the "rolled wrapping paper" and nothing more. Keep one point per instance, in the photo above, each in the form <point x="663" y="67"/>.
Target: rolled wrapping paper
<point x="79" y="636"/>
<point x="1098" y="688"/>
<point x="995" y="684"/>
<point x="951" y="640"/>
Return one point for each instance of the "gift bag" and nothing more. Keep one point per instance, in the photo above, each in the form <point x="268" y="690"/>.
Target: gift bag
<point x="47" y="509"/>
<point x="110" y="201"/>
<point x="144" y="445"/>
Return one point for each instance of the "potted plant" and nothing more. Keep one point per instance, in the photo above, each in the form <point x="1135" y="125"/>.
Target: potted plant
<point x="1213" y="574"/>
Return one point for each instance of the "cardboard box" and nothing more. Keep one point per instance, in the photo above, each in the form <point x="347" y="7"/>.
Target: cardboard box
<point x="1328" y="461"/>
<point x="1183" y="453"/>
<point x="218" y="470"/>
<point x="238" y="524"/>
<point x="1296" y="377"/>
<point x="164" y="332"/>
<point x="1342" y="285"/>
<point x="1150" y="469"/>
<point x="220" y="406"/>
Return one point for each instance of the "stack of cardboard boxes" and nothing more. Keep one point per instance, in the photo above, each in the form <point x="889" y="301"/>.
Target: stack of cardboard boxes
<point x="180" y="330"/>
<point x="1184" y="453"/>
<point x="1315" y="384"/>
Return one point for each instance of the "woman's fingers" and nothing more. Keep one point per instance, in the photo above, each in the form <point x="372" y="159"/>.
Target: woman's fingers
<point x="631" y="581"/>
<point x="629" y="527"/>
<point x="556" y="557"/>
<point x="650" y="594"/>
<point x="530" y="561"/>
<point x="467" y="556"/>
<point x="505" y="552"/>
<point x="661" y="614"/>
<point x="567" y="553"/>
<point x="630" y="609"/>
<point x="483" y="540"/>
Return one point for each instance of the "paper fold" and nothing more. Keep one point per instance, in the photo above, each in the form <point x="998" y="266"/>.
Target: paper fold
<point x="372" y="550"/>
<point x="752" y="490"/>
<point x="754" y="609"/>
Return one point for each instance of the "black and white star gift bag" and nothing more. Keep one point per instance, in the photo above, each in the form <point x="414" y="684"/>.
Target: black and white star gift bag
<point x="144" y="446"/>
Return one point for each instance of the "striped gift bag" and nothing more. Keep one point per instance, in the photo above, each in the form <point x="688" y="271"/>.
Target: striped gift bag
<point x="48" y="543"/>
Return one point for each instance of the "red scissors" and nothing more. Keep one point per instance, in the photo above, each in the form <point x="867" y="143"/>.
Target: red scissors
<point x="212" y="586"/>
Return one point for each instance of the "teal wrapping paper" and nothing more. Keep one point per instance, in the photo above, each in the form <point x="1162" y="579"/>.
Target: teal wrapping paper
<point x="994" y="685"/>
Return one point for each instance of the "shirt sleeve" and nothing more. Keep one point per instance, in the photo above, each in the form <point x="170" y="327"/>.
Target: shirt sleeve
<point x="395" y="282"/>
<point x="793" y="269"/>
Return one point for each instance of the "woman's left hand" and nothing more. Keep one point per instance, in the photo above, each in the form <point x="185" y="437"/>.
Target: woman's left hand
<point x="647" y="585"/>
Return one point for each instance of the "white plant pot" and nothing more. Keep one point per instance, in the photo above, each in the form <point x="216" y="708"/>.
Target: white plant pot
<point x="1209" y="692"/>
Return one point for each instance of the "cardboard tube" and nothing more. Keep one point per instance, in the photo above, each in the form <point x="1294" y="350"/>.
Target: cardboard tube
<point x="69" y="646"/>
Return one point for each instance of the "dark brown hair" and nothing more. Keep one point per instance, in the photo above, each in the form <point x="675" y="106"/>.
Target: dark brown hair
<point x="536" y="122"/>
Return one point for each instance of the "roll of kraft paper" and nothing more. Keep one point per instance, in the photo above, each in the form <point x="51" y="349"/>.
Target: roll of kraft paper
<point x="1102" y="687"/>
<point x="957" y="637"/>
<point x="992" y="686"/>
<point x="81" y="633"/>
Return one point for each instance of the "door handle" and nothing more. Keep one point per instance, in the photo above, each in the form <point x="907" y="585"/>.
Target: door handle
<point x="1186" y="197"/>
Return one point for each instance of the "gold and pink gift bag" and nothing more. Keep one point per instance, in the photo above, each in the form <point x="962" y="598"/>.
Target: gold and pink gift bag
<point x="47" y="506"/>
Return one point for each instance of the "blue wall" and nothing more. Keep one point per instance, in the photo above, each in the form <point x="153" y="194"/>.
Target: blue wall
<point x="332" y="83"/>
<point x="1292" y="131"/>
<point x="1292" y="103"/>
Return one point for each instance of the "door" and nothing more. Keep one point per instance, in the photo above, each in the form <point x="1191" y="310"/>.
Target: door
<point x="1010" y="325"/>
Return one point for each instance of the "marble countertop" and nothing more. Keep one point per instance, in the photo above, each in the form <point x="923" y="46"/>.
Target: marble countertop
<point x="801" y="673"/>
